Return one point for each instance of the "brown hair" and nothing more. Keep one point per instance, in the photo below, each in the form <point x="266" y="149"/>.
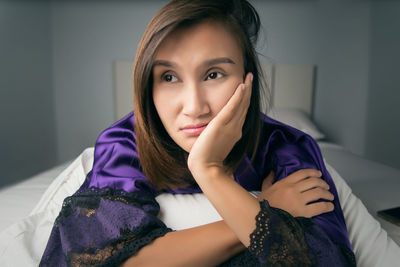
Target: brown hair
<point x="162" y="160"/>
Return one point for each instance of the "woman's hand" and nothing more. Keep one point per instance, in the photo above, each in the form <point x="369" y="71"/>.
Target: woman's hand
<point x="294" y="193"/>
<point x="224" y="130"/>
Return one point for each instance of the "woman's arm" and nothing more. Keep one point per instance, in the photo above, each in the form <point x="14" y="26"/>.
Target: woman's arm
<point x="239" y="208"/>
<point x="235" y="205"/>
<point x="271" y="234"/>
<point x="212" y="244"/>
<point x="206" y="245"/>
<point x="243" y="213"/>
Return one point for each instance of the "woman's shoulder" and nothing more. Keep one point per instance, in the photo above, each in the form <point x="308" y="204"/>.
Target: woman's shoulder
<point x="279" y="144"/>
<point x="284" y="144"/>
<point x="120" y="132"/>
<point x="127" y="121"/>
<point x="123" y="127"/>
<point x="273" y="131"/>
<point x="116" y="161"/>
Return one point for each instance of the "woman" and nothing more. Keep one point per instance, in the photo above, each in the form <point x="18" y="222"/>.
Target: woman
<point x="198" y="128"/>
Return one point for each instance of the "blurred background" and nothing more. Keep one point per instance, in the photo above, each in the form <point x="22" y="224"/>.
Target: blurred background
<point x="56" y="72"/>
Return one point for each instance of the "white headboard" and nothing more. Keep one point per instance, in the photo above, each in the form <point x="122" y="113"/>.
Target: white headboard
<point x="292" y="86"/>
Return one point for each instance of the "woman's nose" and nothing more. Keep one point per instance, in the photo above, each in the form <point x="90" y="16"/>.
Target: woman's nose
<point x="195" y="102"/>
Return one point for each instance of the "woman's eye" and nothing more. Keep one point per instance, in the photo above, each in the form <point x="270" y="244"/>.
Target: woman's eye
<point x="214" y="75"/>
<point x="169" y="78"/>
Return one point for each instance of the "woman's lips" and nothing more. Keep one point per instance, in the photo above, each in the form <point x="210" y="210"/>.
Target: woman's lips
<point x="194" y="130"/>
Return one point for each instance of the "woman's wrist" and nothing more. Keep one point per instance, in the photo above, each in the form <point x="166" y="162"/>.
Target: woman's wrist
<point x="202" y="172"/>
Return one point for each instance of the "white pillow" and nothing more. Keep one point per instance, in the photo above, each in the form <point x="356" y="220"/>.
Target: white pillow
<point x="371" y="244"/>
<point x="297" y="119"/>
<point x="182" y="211"/>
<point x="23" y="243"/>
<point x="66" y="183"/>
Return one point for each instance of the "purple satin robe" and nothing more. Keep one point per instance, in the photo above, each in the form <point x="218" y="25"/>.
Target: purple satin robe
<point x="116" y="169"/>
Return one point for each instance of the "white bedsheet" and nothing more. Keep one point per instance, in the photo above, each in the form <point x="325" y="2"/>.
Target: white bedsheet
<point x="18" y="200"/>
<point x="377" y="185"/>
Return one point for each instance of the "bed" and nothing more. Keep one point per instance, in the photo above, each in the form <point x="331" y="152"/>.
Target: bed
<point x="31" y="206"/>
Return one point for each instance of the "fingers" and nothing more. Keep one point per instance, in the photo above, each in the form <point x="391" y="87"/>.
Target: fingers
<point x="228" y="112"/>
<point x="240" y="112"/>
<point x="311" y="183"/>
<point x="238" y="104"/>
<point x="316" y="194"/>
<point x="298" y="193"/>
<point x="268" y="181"/>
<point x="244" y="105"/>
<point x="319" y="208"/>
<point x="302" y="174"/>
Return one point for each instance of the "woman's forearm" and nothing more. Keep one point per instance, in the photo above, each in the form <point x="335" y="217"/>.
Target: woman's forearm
<point x="235" y="204"/>
<point x="239" y="209"/>
<point x="206" y="245"/>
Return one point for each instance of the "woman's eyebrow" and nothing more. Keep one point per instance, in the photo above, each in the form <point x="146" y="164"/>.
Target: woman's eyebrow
<point x="218" y="60"/>
<point x="164" y="63"/>
<point x="207" y="63"/>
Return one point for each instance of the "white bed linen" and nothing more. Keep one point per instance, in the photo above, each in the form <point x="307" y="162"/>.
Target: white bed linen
<point x="377" y="185"/>
<point x="23" y="243"/>
<point x="17" y="201"/>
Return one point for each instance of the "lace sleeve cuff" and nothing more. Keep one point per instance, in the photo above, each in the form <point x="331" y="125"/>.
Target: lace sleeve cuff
<point x="278" y="239"/>
<point x="103" y="227"/>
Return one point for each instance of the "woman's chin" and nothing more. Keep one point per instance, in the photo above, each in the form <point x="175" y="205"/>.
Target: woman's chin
<point x="187" y="146"/>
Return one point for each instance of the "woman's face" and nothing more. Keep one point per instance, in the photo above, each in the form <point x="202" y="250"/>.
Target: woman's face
<point x="196" y="70"/>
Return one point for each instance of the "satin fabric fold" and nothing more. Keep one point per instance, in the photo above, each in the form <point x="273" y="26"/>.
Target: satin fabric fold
<point x="282" y="149"/>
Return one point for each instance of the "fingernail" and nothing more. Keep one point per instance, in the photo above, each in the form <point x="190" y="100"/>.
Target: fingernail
<point x="251" y="77"/>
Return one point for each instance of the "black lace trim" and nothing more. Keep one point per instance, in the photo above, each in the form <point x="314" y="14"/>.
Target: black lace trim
<point x="89" y="199"/>
<point x="113" y="255"/>
<point x="278" y="239"/>
<point x="349" y="258"/>
<point x="117" y="252"/>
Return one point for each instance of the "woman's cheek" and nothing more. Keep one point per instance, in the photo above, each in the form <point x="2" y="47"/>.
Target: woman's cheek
<point x="222" y="95"/>
<point x="163" y="101"/>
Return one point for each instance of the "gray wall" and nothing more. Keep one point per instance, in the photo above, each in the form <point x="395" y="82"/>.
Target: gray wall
<point x="27" y="135"/>
<point x="77" y="41"/>
<point x="334" y="35"/>
<point x="342" y="81"/>
<point x="383" y="124"/>
<point x="87" y="36"/>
